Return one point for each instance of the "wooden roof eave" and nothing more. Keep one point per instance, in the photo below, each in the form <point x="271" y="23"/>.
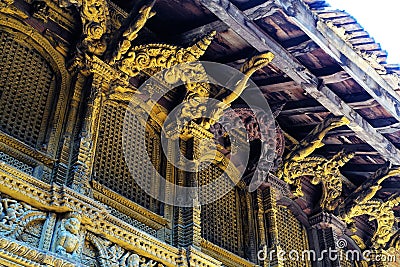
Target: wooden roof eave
<point x="249" y="31"/>
<point x="355" y="65"/>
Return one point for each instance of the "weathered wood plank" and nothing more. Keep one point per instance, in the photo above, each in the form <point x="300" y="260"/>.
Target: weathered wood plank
<point x="249" y="31"/>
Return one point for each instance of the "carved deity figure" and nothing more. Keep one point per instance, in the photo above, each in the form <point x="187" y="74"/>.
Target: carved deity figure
<point x="68" y="239"/>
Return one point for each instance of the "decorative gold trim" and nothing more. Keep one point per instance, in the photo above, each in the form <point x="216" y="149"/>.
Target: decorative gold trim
<point x="95" y="22"/>
<point x="7" y="7"/>
<point x="95" y="217"/>
<point x="60" y="16"/>
<point x="376" y="209"/>
<point x="226" y="257"/>
<point x="299" y="163"/>
<point x="197" y="258"/>
<point x="109" y="197"/>
<point x="13" y="253"/>
<point x="32" y="156"/>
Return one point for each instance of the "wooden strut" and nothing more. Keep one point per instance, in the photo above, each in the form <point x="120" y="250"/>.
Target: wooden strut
<point x="250" y="32"/>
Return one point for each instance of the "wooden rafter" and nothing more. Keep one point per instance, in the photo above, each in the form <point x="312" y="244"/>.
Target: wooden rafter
<point x="249" y="31"/>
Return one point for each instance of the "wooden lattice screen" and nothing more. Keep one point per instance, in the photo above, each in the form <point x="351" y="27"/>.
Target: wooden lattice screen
<point x="27" y="84"/>
<point x="219" y="219"/>
<point x="110" y="168"/>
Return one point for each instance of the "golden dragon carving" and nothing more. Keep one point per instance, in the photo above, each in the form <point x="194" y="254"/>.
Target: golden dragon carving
<point x="132" y="59"/>
<point x="162" y="56"/>
<point x="299" y="163"/>
<point x="155" y="57"/>
<point x="382" y="211"/>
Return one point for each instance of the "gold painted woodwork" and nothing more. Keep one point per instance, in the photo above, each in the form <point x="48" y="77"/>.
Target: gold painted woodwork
<point x="30" y="94"/>
<point x="132" y="60"/>
<point x="94" y="15"/>
<point x="109" y="162"/>
<point x="251" y="65"/>
<point x="50" y="10"/>
<point x="292" y="235"/>
<point x="195" y="103"/>
<point x="299" y="163"/>
<point x="115" y="255"/>
<point x="198" y="258"/>
<point x="314" y="139"/>
<point x="60" y="199"/>
<point x="118" y="242"/>
<point x="284" y="231"/>
<point x="131" y="33"/>
<point x="376" y="209"/>
<point x="226" y="257"/>
<point x="13" y="252"/>
<point x="68" y="237"/>
<point x="163" y="56"/>
<point x="19" y="149"/>
<point x="222" y="225"/>
<point x="123" y="204"/>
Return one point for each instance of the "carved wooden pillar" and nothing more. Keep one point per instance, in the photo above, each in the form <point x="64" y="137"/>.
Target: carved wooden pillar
<point x="187" y="229"/>
<point x="250" y="213"/>
<point x="48" y="231"/>
<point x="195" y="181"/>
<point x="270" y="211"/>
<point x="83" y="166"/>
<point x="262" y="235"/>
<point x="170" y="176"/>
<point x="62" y="172"/>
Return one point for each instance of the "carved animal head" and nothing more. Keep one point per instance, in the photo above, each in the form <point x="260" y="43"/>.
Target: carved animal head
<point x="257" y="62"/>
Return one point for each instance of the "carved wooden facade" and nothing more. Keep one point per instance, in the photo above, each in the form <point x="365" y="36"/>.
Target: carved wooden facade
<point x="70" y="72"/>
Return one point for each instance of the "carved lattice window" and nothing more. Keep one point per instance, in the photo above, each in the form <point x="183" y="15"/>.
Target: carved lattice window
<point x="27" y="83"/>
<point x="219" y="219"/>
<point x="292" y="237"/>
<point x="110" y="167"/>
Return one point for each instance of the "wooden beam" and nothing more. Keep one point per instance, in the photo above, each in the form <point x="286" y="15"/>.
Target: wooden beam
<point x="249" y="31"/>
<point x="302" y="48"/>
<point x="342" y="52"/>
<point x="305" y="110"/>
<point x="267" y="8"/>
<point x="356" y="101"/>
<point x="336" y="77"/>
<point x="380" y="124"/>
